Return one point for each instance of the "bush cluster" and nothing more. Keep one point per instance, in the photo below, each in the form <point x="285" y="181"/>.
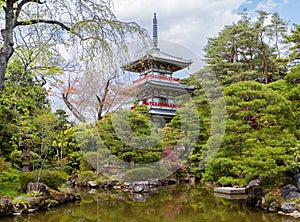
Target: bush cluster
<point x="140" y="174"/>
<point x="9" y="182"/>
<point x="53" y="179"/>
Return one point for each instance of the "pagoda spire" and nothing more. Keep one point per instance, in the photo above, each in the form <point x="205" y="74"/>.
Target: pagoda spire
<point x="155" y="32"/>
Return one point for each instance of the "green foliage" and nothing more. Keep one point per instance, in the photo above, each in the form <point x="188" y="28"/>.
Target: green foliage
<point x="150" y="157"/>
<point x="20" y="101"/>
<point x="259" y="138"/>
<point x="141" y="174"/>
<point x="53" y="179"/>
<point x="295" y="39"/>
<point x="85" y="176"/>
<point x="130" y="136"/>
<point x="3" y="164"/>
<point x="71" y="163"/>
<point x="87" y="137"/>
<point x="244" y="50"/>
<point x="90" y="161"/>
<point x="17" y="158"/>
<point x="184" y="128"/>
<point x="292" y="93"/>
<point x="9" y="182"/>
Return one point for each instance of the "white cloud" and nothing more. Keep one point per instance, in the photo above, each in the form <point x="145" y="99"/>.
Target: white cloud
<point x="188" y="22"/>
<point x="269" y="5"/>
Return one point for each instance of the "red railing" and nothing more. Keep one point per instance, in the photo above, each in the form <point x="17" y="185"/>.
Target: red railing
<point x="170" y="105"/>
<point x="164" y="104"/>
<point x="160" y="104"/>
<point x="156" y="77"/>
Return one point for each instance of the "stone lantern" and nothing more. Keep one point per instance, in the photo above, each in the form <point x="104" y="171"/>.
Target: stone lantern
<point x="25" y="148"/>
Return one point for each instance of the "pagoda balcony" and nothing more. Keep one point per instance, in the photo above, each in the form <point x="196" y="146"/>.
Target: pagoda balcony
<point x="160" y="77"/>
<point x="160" y="104"/>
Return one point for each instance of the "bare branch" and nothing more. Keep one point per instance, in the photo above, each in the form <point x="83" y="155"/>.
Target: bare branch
<point x="72" y="108"/>
<point x="36" y="21"/>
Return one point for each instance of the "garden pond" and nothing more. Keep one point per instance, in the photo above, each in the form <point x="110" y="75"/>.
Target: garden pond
<point x="180" y="203"/>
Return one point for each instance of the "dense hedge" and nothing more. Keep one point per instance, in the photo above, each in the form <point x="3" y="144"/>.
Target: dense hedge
<point x="142" y="173"/>
<point x="52" y="179"/>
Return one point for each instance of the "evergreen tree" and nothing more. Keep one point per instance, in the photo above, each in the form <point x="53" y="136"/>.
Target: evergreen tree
<point x="259" y="138"/>
<point x="131" y="136"/>
<point x="294" y="39"/>
<point x="21" y="100"/>
<point x="278" y="29"/>
<point x="243" y="50"/>
<point x="26" y="117"/>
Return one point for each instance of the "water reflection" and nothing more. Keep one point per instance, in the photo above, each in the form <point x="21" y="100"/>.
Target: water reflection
<point x="173" y="203"/>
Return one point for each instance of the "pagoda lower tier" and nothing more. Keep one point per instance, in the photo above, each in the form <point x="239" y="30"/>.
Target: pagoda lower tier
<point x="162" y="95"/>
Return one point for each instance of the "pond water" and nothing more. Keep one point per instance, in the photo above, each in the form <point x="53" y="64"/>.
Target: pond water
<point x="180" y="203"/>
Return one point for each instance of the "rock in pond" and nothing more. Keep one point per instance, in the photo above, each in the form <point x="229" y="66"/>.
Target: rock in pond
<point x="288" y="207"/>
<point x="140" y="186"/>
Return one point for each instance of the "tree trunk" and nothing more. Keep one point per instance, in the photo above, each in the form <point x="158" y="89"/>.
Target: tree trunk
<point x="265" y="67"/>
<point x="278" y="56"/>
<point x="7" y="35"/>
<point x="103" y="100"/>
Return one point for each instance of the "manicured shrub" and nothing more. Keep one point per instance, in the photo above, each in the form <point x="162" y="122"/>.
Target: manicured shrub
<point x="149" y="157"/>
<point x="53" y="179"/>
<point x="140" y="174"/>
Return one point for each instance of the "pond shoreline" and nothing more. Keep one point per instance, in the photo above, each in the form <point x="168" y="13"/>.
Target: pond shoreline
<point x="41" y="199"/>
<point x="47" y="198"/>
<point x="178" y="202"/>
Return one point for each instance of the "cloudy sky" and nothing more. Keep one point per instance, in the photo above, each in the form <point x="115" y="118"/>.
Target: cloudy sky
<point x="190" y="22"/>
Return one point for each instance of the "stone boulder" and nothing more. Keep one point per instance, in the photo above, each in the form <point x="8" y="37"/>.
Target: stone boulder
<point x="297" y="180"/>
<point x="253" y="183"/>
<point x="110" y="183"/>
<point x="289" y="192"/>
<point x="44" y="199"/>
<point x="273" y="207"/>
<point x="255" y="193"/>
<point x="42" y="188"/>
<point x="288" y="207"/>
<point x="154" y="182"/>
<point x="140" y="186"/>
<point x="6" y="206"/>
<point x="92" y="184"/>
<point x="255" y="196"/>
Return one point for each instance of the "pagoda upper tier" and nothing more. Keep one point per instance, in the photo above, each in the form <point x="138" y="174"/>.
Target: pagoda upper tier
<point x="157" y="61"/>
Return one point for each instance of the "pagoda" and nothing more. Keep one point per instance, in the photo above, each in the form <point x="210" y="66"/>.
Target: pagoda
<point x="156" y="87"/>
